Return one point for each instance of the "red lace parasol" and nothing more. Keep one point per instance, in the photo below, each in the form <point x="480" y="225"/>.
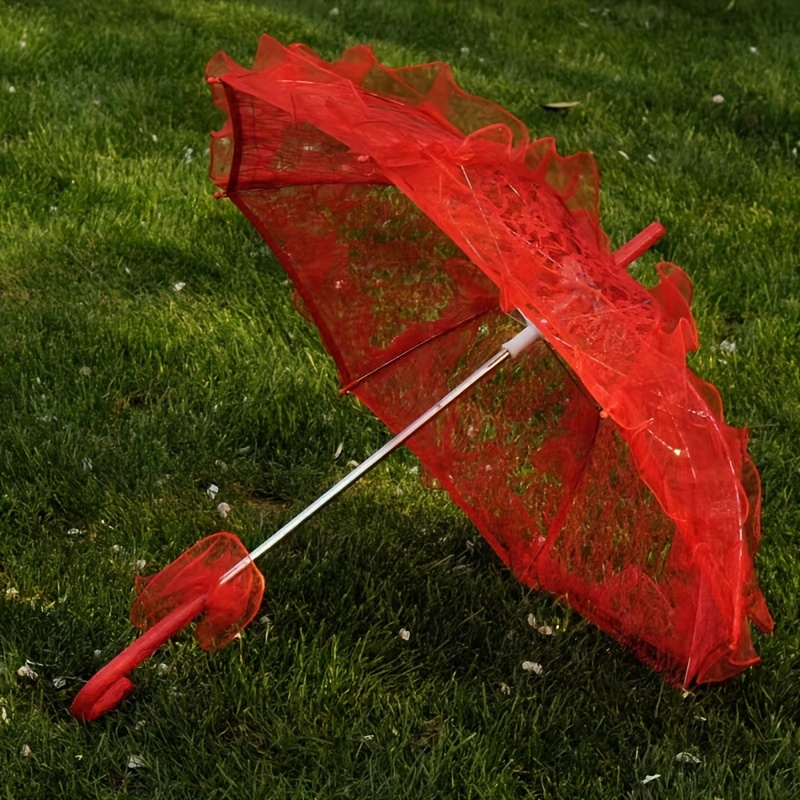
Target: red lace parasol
<point x="411" y="218"/>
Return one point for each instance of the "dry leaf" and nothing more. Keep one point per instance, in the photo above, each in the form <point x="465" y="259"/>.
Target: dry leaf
<point x="564" y="106"/>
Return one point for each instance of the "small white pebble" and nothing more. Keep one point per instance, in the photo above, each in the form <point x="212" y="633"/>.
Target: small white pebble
<point x="465" y="51"/>
<point x="404" y="634"/>
<point x="651" y="157"/>
<point x="179" y="286"/>
<point x="717" y="98"/>
<point x="154" y="138"/>
<point x="533" y="666"/>
<point x="136" y="762"/>
<point x="12" y="89"/>
<point x="727" y="346"/>
<point x="23" y="44"/>
<point x="25" y="671"/>
<point x="754" y="51"/>
<point x="26" y="751"/>
<point x="223" y="509"/>
<point x="212" y="491"/>
<point x="98" y="653"/>
<point x="141" y="564"/>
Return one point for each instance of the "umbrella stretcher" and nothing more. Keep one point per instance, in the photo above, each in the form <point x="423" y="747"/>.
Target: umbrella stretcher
<point x="416" y="221"/>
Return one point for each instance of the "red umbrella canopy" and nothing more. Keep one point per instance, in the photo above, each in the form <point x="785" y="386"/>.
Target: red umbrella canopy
<point x="411" y="218"/>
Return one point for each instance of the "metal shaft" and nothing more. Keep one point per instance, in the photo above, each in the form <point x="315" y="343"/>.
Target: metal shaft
<point x="369" y="463"/>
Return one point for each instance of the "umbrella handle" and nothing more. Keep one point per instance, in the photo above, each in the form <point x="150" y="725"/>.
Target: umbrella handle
<point x="110" y="685"/>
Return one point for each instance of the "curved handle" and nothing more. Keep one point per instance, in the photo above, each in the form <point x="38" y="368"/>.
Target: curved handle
<point x="110" y="686"/>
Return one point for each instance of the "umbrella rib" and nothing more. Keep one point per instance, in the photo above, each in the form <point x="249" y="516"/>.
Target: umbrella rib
<point x="356" y="381"/>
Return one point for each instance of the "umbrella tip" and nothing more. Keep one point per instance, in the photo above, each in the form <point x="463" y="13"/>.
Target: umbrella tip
<point x="641" y="243"/>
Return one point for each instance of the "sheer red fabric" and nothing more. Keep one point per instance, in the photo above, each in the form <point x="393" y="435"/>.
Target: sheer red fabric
<point x="187" y="588"/>
<point x="411" y="217"/>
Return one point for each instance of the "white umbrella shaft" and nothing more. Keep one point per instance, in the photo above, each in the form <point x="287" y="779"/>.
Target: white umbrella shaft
<point x="510" y="349"/>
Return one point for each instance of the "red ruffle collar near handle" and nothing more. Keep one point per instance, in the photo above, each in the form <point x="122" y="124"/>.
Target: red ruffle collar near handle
<point x="167" y="602"/>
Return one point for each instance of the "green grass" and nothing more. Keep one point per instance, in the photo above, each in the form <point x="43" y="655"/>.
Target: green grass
<point x="121" y="400"/>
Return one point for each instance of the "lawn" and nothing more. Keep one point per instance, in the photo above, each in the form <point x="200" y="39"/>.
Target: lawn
<point x="149" y="348"/>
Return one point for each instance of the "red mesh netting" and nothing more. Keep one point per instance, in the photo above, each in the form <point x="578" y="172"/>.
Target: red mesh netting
<point x="170" y="600"/>
<point x="410" y="216"/>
